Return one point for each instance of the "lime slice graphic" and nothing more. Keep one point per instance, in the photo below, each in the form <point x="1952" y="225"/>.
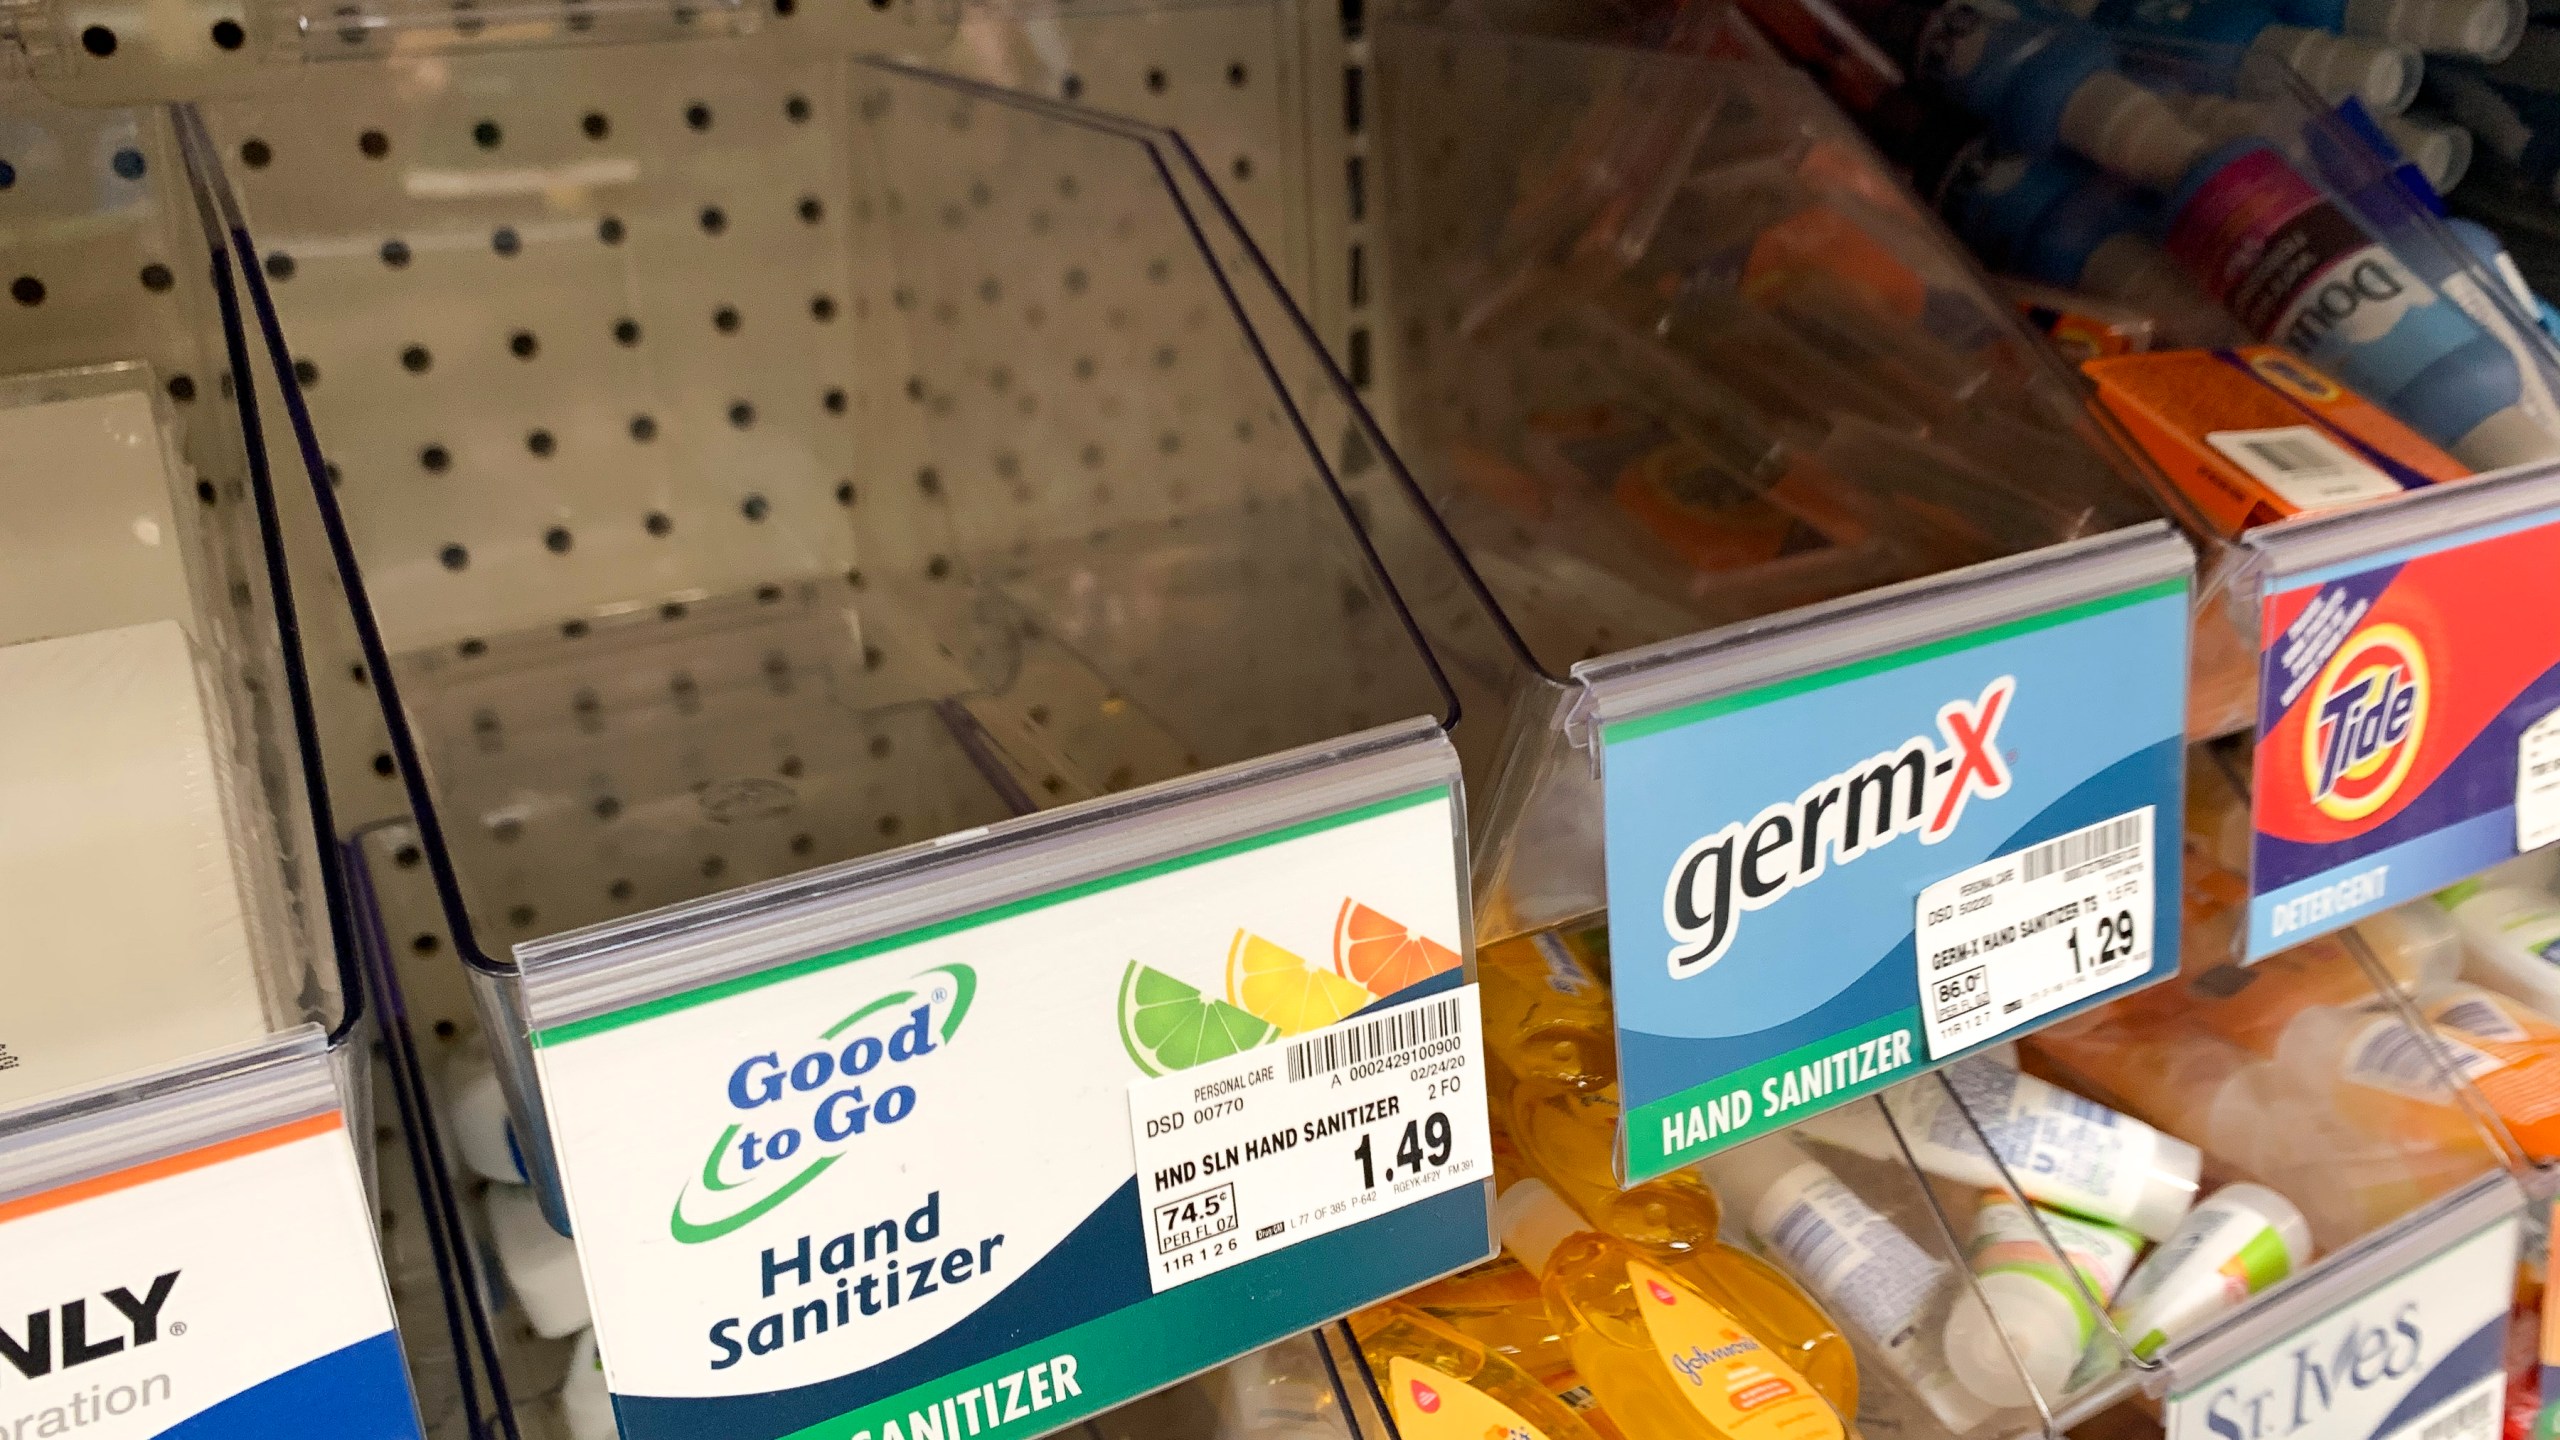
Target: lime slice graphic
<point x="1167" y="1025"/>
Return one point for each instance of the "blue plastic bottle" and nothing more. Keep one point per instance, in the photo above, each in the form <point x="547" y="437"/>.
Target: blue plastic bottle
<point x="2045" y="81"/>
<point x="2060" y="221"/>
<point x="2298" y="268"/>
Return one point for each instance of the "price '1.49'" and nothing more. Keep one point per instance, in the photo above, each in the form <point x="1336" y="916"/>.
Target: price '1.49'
<point x="1425" y="1146"/>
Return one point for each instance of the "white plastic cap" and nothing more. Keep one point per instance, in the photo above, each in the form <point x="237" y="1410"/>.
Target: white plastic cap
<point x="2383" y="75"/>
<point x="2488" y="29"/>
<point x="2242" y="1122"/>
<point x="540" y="1264"/>
<point x="2226" y="117"/>
<point x="1746" y="1174"/>
<point x="2418" y="943"/>
<point x="2131" y="131"/>
<point x="2168" y="1190"/>
<point x="2441" y="151"/>
<point x="1534" y="1220"/>
<point x="584" y="1401"/>
<point x="479" y="1124"/>
<point x="2282" y="1216"/>
<point x="2040" y="1322"/>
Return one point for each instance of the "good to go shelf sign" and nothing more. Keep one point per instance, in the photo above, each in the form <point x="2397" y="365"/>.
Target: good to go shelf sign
<point x="1011" y="1168"/>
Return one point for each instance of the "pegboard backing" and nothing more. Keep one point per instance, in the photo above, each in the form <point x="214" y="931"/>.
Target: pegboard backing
<point x="614" y="352"/>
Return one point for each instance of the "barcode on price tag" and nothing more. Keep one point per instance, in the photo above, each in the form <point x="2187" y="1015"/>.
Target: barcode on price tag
<point x="1390" y="1034"/>
<point x="2538" y="783"/>
<point x="2027" y="933"/>
<point x="2304" y="465"/>
<point x="1278" y="1144"/>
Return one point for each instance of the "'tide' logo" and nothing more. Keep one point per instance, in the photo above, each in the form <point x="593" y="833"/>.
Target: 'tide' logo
<point x="2368" y="713"/>
<point x="802" y="1114"/>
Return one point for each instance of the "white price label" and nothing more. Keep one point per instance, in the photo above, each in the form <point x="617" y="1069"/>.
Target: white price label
<point x="1282" y="1143"/>
<point x="2031" y="931"/>
<point x="2538" y="783"/>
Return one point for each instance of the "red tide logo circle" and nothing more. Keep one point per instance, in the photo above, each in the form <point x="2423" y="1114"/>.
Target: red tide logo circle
<point x="2366" y="714"/>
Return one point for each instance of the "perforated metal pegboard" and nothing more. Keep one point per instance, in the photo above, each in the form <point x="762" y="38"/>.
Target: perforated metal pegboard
<point x="419" y="295"/>
<point x="590" y="274"/>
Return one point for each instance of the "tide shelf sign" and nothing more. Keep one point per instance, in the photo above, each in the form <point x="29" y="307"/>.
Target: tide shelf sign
<point x="1826" y="884"/>
<point x="2405" y="699"/>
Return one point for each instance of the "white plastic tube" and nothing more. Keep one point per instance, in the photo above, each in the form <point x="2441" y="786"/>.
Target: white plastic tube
<point x="585" y="1403"/>
<point x="476" y="1121"/>
<point x="2239" y="1242"/>
<point x="2047" y="1316"/>
<point x="2511" y="943"/>
<point x="1855" y="1260"/>
<point x="539" y="1263"/>
<point x="2064" y="1151"/>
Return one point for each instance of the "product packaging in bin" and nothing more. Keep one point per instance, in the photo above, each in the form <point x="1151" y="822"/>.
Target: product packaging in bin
<point x="878" y="665"/>
<point x="184" y="1132"/>
<point x="1850" y="651"/>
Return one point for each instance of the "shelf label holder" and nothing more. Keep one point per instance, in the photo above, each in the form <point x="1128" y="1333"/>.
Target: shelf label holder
<point x="201" y="1254"/>
<point x="858" y="1150"/>
<point x="1779" y="802"/>
<point x="2403" y="1336"/>
<point x="2406" y="655"/>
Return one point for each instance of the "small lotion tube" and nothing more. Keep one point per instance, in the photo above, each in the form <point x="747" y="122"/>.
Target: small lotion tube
<point x="1854" y="1260"/>
<point x="2047" y="1317"/>
<point x="2239" y="1242"/>
<point x="2062" y="1150"/>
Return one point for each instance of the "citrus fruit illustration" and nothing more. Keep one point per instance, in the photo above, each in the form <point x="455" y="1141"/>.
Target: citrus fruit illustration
<point x="1166" y="1025"/>
<point x="1382" y="954"/>
<point x="1279" y="987"/>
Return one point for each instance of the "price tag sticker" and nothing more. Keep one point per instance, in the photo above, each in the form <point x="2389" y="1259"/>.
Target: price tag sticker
<point x="2027" y="933"/>
<point x="1282" y="1143"/>
<point x="2538" y="783"/>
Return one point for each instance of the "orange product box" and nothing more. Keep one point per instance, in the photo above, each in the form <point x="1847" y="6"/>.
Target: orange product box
<point x="2257" y="434"/>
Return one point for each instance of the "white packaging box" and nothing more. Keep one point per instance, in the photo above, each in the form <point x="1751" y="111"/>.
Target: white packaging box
<point x="126" y="944"/>
<point x="88" y="537"/>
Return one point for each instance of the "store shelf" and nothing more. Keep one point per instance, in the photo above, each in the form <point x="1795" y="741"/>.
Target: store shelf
<point x="668" y="762"/>
<point x="1569" y="224"/>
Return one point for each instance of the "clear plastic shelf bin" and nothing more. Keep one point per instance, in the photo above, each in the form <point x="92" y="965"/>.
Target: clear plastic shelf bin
<point x="203" y="1051"/>
<point x="870" y="518"/>
<point x="1716" y="417"/>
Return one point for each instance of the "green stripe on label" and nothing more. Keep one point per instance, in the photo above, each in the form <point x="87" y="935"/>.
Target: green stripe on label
<point x="1643" y="725"/>
<point x="567" y="1031"/>
<point x="1105" y="1362"/>
<point x="1730" y="1109"/>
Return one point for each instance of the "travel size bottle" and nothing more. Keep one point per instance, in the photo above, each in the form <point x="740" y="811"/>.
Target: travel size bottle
<point x="1666" y="1362"/>
<point x="1443" y="1385"/>
<point x="1567" y="1137"/>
